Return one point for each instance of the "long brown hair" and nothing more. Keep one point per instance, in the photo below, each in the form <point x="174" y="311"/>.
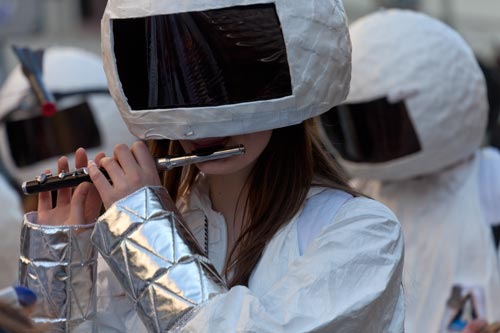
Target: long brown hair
<point x="294" y="159"/>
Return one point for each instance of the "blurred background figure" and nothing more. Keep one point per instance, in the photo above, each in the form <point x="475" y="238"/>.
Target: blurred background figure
<point x="47" y="23"/>
<point x="478" y="22"/>
<point x="42" y="24"/>
<point x="10" y="229"/>
<point x="30" y="141"/>
<point x="410" y="134"/>
<point x="492" y="75"/>
<point x="489" y="189"/>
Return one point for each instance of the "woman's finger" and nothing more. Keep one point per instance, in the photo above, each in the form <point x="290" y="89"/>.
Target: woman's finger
<point x="93" y="204"/>
<point x="113" y="169"/>
<point x="98" y="157"/>
<point x="63" y="195"/>
<point x="126" y="160"/>
<point x="99" y="180"/>
<point x="78" y="200"/>
<point x="143" y="156"/>
<point x="80" y="158"/>
<point x="44" y="199"/>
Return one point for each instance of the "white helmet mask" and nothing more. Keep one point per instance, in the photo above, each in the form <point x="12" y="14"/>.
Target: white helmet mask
<point x="86" y="116"/>
<point x="197" y="69"/>
<point x="409" y="66"/>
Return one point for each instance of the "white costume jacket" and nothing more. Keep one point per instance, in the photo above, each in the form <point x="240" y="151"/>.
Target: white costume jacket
<point x="447" y="243"/>
<point x="336" y="267"/>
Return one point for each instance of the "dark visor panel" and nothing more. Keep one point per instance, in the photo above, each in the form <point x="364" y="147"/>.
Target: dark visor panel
<point x="371" y="132"/>
<point x="39" y="138"/>
<point x="208" y="58"/>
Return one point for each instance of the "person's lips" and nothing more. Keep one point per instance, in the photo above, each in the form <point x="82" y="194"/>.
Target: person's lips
<point x="209" y="143"/>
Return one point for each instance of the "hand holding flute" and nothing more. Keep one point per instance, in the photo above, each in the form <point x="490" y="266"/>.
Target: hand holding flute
<point x="79" y="207"/>
<point x="129" y="170"/>
<point x="48" y="182"/>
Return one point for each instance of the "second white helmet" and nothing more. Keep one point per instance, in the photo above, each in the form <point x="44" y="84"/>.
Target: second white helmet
<point x="30" y="142"/>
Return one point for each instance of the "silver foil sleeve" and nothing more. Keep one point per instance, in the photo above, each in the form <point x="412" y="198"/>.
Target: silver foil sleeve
<point x="156" y="258"/>
<point x="59" y="264"/>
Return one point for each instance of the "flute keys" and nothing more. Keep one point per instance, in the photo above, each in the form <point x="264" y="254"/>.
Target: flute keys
<point x="43" y="177"/>
<point x="77" y="172"/>
<point x="81" y="172"/>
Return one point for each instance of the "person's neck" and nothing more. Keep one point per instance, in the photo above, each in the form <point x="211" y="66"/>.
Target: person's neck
<point x="228" y="195"/>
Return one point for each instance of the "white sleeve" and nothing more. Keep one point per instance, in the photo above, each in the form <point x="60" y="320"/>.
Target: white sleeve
<point x="348" y="280"/>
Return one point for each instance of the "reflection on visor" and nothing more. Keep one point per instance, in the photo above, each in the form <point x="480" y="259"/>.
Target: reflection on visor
<point x="371" y="132"/>
<point x="35" y="139"/>
<point x="207" y="58"/>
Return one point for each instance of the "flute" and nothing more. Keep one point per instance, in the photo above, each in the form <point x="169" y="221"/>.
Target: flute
<point x="48" y="182"/>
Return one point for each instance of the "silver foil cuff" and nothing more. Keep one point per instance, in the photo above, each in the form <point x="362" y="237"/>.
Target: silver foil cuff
<point x="156" y="258"/>
<point x="59" y="264"/>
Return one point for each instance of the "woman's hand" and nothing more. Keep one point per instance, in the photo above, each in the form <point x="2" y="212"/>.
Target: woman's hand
<point x="73" y="207"/>
<point x="129" y="170"/>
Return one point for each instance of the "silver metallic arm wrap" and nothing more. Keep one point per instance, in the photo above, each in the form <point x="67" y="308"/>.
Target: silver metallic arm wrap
<point x="156" y="258"/>
<point x="59" y="264"/>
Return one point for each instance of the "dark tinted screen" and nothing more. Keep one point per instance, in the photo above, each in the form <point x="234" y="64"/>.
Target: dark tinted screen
<point x="38" y="138"/>
<point x="206" y="58"/>
<point x="371" y="132"/>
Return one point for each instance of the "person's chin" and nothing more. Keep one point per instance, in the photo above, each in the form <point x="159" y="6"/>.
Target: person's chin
<point x="225" y="166"/>
<point x="215" y="167"/>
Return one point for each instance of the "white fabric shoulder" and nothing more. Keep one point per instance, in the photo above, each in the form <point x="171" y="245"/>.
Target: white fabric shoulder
<point x="319" y="210"/>
<point x="349" y="274"/>
<point x="489" y="184"/>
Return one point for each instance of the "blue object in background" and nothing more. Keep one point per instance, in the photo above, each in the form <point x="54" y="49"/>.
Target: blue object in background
<point x="25" y="296"/>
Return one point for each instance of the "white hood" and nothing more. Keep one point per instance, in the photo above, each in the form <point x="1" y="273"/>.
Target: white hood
<point x="318" y="51"/>
<point x="408" y="56"/>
